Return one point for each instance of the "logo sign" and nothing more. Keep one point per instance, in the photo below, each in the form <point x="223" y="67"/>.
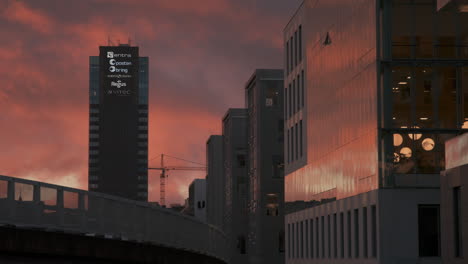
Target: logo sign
<point x="119" y="70"/>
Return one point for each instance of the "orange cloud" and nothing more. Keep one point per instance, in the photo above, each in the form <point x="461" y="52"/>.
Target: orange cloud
<point x="17" y="11"/>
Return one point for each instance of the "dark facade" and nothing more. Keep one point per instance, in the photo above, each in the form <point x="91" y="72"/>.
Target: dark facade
<point x="215" y="195"/>
<point x="264" y="98"/>
<point x="454" y="202"/>
<point x="236" y="183"/>
<point x="118" y="122"/>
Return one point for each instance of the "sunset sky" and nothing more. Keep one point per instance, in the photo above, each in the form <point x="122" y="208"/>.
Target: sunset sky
<point x="201" y="54"/>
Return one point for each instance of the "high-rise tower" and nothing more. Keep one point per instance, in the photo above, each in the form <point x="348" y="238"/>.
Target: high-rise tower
<point x="118" y="122"/>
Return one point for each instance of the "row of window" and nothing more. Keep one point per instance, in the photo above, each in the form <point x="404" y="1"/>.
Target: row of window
<point x="294" y="96"/>
<point x="97" y="160"/>
<point x="295" y="145"/>
<point x="95" y="119"/>
<point x="294" y="50"/>
<point x="140" y="152"/>
<point x="95" y="185"/>
<point x="140" y="144"/>
<point x="340" y="235"/>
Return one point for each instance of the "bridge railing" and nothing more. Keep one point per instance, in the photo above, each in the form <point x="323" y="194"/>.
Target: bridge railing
<point x="32" y="204"/>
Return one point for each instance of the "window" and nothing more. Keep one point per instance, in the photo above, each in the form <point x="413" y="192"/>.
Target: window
<point x="342" y="235"/>
<point x="281" y="241"/>
<point x="294" y="95"/>
<point x="317" y="241"/>
<point x="289" y="147"/>
<point x="272" y="204"/>
<point x="302" y="89"/>
<point x="457" y="223"/>
<point x="312" y="238"/>
<point x="297" y="142"/>
<point x="142" y="194"/>
<point x="364" y="231"/>
<point x="298" y="244"/>
<point x="291" y="54"/>
<point x="286" y="103"/>
<point x="348" y="221"/>
<point x="374" y="231"/>
<point x="290" y="102"/>
<point x="298" y="97"/>
<point x="302" y="239"/>
<point x="329" y="236"/>
<point x="287" y="57"/>
<point x="335" y="237"/>
<point x="93" y="178"/>
<point x="289" y="240"/>
<point x="301" y="145"/>
<point x="306" y="235"/>
<point x="292" y="144"/>
<point x="296" y="42"/>
<point x="322" y="231"/>
<point x="429" y="230"/>
<point x="300" y="42"/>
<point x="241" y="160"/>
<point x="356" y="233"/>
<point x="294" y="240"/>
<point x="241" y="244"/>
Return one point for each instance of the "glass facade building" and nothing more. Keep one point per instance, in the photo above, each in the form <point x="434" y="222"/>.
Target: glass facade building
<point x="382" y="96"/>
<point x="118" y="123"/>
<point x="385" y="85"/>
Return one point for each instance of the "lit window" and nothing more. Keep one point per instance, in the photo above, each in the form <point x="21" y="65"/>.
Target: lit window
<point x="428" y="144"/>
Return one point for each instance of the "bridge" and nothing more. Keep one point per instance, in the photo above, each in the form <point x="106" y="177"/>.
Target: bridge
<point x="45" y="223"/>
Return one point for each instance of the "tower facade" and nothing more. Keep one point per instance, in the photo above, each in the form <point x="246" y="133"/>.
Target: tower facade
<point x="118" y="122"/>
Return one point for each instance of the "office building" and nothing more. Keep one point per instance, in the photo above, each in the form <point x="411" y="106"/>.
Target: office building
<point x="264" y="99"/>
<point x="454" y="202"/>
<point x="118" y="122"/>
<point x="236" y="183"/>
<point x="215" y="181"/>
<point x="197" y="199"/>
<point x="385" y="84"/>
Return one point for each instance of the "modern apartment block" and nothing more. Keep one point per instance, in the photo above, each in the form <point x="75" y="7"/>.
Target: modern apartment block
<point x="454" y="202"/>
<point x="118" y="122"/>
<point x="264" y="99"/>
<point x="215" y="181"/>
<point x="385" y="85"/>
<point x="236" y="182"/>
<point x="197" y="199"/>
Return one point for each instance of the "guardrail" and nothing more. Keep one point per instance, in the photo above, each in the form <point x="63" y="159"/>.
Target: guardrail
<point x="32" y="204"/>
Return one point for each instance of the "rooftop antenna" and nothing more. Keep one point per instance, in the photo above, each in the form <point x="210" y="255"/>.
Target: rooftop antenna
<point x="129" y="41"/>
<point x="109" y="41"/>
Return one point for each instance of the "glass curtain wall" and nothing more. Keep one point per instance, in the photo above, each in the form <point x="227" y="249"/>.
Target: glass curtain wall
<point x="427" y="82"/>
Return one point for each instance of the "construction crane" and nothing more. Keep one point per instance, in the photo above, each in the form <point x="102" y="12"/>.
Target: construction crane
<point x="163" y="175"/>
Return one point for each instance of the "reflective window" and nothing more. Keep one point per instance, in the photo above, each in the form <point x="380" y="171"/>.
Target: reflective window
<point x="49" y="196"/>
<point x="3" y="189"/>
<point x="23" y="192"/>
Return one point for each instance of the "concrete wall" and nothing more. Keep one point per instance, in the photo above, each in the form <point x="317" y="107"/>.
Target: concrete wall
<point x="392" y="238"/>
<point x="450" y="179"/>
